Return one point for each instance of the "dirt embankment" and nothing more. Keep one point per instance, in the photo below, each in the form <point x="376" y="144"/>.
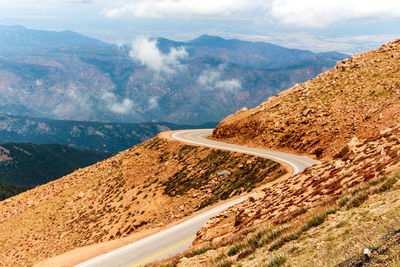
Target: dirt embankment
<point x="148" y="186"/>
<point x="359" y="97"/>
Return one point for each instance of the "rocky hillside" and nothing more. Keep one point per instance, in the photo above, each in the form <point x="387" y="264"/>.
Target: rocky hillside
<point x="325" y="216"/>
<point x="359" y="97"/>
<point x="64" y="75"/>
<point x="146" y="187"/>
<point x="31" y="165"/>
<point x="98" y="136"/>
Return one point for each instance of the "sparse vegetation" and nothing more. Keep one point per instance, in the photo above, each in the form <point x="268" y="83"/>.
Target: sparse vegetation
<point x="235" y="249"/>
<point x="199" y="251"/>
<point x="108" y="194"/>
<point x="387" y="185"/>
<point x="277" y="261"/>
<point x="357" y="200"/>
<point x="253" y="171"/>
<point x="225" y="263"/>
<point x="283" y="235"/>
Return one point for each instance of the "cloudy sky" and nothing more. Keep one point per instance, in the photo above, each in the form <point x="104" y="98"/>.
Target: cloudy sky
<point x="343" y="25"/>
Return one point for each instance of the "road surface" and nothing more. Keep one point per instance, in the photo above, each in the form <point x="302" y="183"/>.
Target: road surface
<point x="161" y="245"/>
<point x="178" y="238"/>
<point x="297" y="163"/>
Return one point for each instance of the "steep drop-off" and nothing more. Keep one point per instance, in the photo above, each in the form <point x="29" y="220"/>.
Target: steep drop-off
<point x="31" y="165"/>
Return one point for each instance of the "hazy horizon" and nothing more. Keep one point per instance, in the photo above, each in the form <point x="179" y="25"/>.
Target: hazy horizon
<point x="343" y="26"/>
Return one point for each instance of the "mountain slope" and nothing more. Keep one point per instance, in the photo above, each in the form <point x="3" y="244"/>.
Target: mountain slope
<point x="359" y="97"/>
<point x="31" y="165"/>
<point x="64" y="75"/>
<point x="141" y="189"/>
<point x="20" y="40"/>
<point x="99" y="136"/>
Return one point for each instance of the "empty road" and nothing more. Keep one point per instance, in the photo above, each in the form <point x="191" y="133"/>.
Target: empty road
<point x="297" y="163"/>
<point x="179" y="237"/>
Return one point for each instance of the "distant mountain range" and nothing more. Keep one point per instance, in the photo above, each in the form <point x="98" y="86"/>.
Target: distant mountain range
<point x="99" y="136"/>
<point x="65" y="75"/>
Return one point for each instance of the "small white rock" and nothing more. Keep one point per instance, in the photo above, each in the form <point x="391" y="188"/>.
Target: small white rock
<point x="367" y="253"/>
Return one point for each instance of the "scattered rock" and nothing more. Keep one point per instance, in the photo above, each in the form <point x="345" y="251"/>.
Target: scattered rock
<point x="306" y="112"/>
<point x="320" y="245"/>
<point x="367" y="254"/>
<point x="338" y="164"/>
<point x="353" y="144"/>
<point x="244" y="109"/>
<point x="387" y="130"/>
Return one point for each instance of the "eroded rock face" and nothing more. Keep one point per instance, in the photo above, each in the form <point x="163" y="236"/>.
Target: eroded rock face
<point x="358" y="98"/>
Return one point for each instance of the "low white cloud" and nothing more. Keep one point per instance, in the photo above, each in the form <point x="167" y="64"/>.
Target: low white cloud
<point x="122" y="108"/>
<point x="229" y="85"/>
<point x="153" y="103"/>
<point x="209" y="77"/>
<point x="147" y="53"/>
<point x="317" y="13"/>
<point x="112" y="103"/>
<point x="212" y="79"/>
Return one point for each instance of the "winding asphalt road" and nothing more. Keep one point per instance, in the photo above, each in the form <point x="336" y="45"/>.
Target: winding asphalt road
<point x="179" y="237"/>
<point x="297" y="163"/>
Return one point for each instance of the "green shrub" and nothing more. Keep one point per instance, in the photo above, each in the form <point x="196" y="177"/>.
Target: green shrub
<point x="315" y="221"/>
<point x="225" y="264"/>
<point x="357" y="200"/>
<point x="199" y="251"/>
<point x="256" y="240"/>
<point x="387" y="185"/>
<point x="281" y="242"/>
<point x="277" y="261"/>
<point x="235" y="249"/>
<point x="343" y="202"/>
<point x="246" y="252"/>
